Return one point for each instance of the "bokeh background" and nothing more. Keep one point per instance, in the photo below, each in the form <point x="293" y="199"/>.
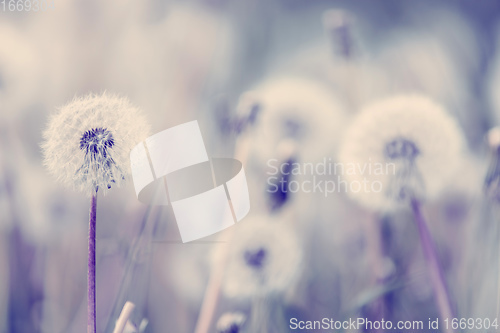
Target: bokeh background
<point x="240" y="68"/>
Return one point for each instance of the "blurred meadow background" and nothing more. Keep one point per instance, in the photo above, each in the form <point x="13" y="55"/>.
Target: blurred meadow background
<point x="267" y="80"/>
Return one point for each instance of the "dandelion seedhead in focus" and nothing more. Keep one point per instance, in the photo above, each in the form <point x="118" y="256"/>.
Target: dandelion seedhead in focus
<point x="263" y="259"/>
<point x="231" y="322"/>
<point x="410" y="147"/>
<point x="87" y="144"/>
<point x="88" y="141"/>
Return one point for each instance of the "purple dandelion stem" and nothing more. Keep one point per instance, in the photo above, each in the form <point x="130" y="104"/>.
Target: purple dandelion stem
<point x="91" y="305"/>
<point x="435" y="270"/>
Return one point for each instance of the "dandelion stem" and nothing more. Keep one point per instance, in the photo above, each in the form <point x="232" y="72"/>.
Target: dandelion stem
<point x="435" y="271"/>
<point x="212" y="294"/>
<point x="124" y="316"/>
<point x="91" y="305"/>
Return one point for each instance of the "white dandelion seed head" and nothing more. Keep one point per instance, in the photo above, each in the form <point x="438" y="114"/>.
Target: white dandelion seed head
<point x="409" y="142"/>
<point x="263" y="258"/>
<point x="231" y="322"/>
<point x="300" y="109"/>
<point x="88" y="141"/>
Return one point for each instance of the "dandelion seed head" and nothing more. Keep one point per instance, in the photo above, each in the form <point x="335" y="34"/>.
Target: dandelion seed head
<point x="298" y="109"/>
<point x="231" y="322"/>
<point x="263" y="258"/>
<point x="415" y="144"/>
<point x="88" y="141"/>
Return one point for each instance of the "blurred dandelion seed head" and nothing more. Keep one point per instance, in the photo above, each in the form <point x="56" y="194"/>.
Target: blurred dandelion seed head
<point x="256" y="258"/>
<point x="264" y="258"/>
<point x="88" y="141"/>
<point x="231" y="322"/>
<point x="416" y="139"/>
<point x="299" y="109"/>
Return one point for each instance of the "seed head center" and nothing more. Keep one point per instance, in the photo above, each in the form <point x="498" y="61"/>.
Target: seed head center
<point x="256" y="258"/>
<point x="96" y="141"/>
<point x="401" y="148"/>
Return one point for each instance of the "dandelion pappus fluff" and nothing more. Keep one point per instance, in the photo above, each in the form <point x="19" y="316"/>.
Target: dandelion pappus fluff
<point x="88" y="141"/>
<point x="300" y="109"/>
<point x="263" y="259"/>
<point x="416" y="142"/>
